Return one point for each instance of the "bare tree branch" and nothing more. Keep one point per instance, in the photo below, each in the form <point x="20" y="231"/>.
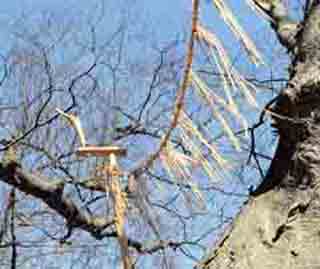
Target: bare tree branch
<point x="51" y="193"/>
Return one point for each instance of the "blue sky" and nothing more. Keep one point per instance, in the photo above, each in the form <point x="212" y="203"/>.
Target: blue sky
<point x="164" y="19"/>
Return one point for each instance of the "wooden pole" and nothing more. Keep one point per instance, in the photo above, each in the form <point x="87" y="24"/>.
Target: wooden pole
<point x="112" y="175"/>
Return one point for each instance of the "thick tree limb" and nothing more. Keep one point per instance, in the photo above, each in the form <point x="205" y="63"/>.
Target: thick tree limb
<point x="51" y="193"/>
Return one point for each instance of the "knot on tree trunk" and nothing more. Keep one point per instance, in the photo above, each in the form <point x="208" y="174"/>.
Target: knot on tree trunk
<point x="297" y="120"/>
<point x="305" y="164"/>
<point x="296" y="117"/>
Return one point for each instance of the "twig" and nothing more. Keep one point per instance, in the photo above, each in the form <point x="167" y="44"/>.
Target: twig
<point x="12" y="229"/>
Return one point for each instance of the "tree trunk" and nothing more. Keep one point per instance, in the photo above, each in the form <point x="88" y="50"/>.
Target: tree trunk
<point x="279" y="227"/>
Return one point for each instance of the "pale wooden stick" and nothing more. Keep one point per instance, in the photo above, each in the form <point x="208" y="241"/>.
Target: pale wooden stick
<point x="76" y="124"/>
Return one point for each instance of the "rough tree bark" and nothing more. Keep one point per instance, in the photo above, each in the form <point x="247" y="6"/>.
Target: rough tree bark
<point x="279" y="227"/>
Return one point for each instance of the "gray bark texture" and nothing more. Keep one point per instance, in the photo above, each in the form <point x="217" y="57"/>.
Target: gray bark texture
<point x="279" y="226"/>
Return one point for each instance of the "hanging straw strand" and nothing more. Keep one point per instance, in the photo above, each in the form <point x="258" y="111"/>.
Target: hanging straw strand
<point x="180" y="95"/>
